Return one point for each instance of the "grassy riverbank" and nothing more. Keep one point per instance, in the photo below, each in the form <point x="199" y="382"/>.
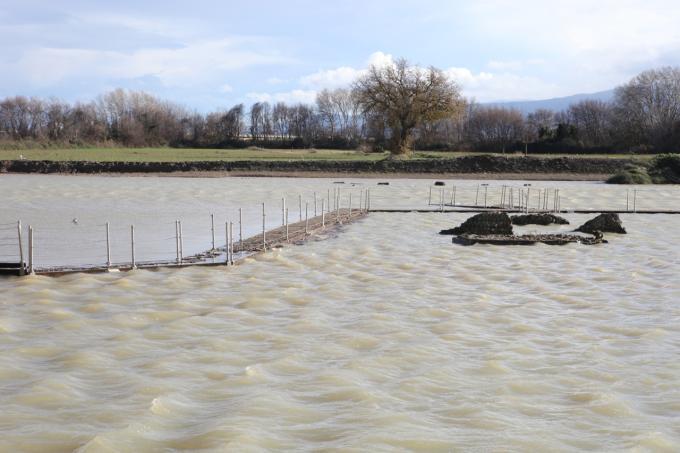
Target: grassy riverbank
<point x="232" y="155"/>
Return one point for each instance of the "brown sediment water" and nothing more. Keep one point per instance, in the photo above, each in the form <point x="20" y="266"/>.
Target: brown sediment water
<point x="384" y="336"/>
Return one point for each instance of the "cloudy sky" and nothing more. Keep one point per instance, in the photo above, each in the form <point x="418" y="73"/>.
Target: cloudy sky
<point x="208" y="54"/>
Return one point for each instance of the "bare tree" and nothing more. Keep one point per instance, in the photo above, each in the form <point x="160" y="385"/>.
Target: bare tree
<point x="325" y="106"/>
<point x="540" y="124"/>
<point x="592" y="120"/>
<point x="495" y="128"/>
<point x="647" y="108"/>
<point x="280" y="124"/>
<point x="407" y="96"/>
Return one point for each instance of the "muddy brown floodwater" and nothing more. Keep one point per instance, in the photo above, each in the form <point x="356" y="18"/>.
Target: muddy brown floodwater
<point x="383" y="337"/>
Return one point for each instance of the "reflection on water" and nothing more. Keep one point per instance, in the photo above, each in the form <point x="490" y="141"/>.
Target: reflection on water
<point x="386" y="337"/>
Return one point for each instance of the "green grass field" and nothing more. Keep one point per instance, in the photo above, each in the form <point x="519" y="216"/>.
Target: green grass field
<point x="184" y="155"/>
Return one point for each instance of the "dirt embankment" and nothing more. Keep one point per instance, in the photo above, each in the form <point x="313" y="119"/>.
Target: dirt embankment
<point x="478" y="165"/>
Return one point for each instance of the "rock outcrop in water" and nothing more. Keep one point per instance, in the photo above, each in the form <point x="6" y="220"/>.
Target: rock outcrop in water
<point x="606" y="223"/>
<point x="538" y="219"/>
<point x="482" y="224"/>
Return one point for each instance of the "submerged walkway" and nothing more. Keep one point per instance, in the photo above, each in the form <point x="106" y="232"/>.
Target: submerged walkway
<point x="293" y="233"/>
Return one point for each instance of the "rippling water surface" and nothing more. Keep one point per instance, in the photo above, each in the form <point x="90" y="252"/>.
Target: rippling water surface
<point x="384" y="337"/>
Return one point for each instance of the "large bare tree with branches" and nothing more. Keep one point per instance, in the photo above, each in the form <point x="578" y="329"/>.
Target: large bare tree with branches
<point x="647" y="109"/>
<point x="407" y="96"/>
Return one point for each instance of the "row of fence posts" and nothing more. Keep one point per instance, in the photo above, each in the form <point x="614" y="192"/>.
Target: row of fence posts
<point x="519" y="198"/>
<point x="28" y="265"/>
<point x="543" y="199"/>
<point x="364" y="203"/>
<point x="521" y="201"/>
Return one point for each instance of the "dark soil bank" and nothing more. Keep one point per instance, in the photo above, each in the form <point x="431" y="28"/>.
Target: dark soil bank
<point x="467" y="164"/>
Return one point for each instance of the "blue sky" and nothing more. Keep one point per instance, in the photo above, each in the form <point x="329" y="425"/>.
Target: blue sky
<point x="208" y="54"/>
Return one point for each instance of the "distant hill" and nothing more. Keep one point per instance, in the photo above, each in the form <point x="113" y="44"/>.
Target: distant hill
<point x="555" y="104"/>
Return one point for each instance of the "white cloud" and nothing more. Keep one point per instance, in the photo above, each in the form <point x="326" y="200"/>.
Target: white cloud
<point x="196" y="61"/>
<point x="501" y="86"/>
<point x="226" y="88"/>
<point x="581" y="44"/>
<point x="343" y="76"/>
<point x="514" y="65"/>
<point x="154" y="26"/>
<point x="276" y="81"/>
<point x="289" y="97"/>
<point x="380" y="59"/>
<point x="483" y="86"/>
<point x="466" y="78"/>
<point x="332" y="78"/>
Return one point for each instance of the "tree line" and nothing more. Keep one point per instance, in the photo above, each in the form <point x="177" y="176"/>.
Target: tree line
<point x="397" y="107"/>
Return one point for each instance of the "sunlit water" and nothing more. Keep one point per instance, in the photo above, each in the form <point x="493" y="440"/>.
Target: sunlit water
<point x="384" y="337"/>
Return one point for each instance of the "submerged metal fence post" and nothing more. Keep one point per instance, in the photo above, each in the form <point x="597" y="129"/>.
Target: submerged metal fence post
<point x="132" y="246"/>
<point x="486" y="191"/>
<point x="108" y="247"/>
<point x="314" y="204"/>
<point x="361" y="200"/>
<point x="264" y="229"/>
<point x="634" y="200"/>
<point x="226" y="239"/>
<point x="300" y="206"/>
<point x="627" y="200"/>
<point x="477" y="196"/>
<point x="441" y="200"/>
<point x="283" y="211"/>
<point x="22" y="269"/>
<point x="306" y="217"/>
<point x="350" y="206"/>
<point x="240" y="227"/>
<point x="212" y="230"/>
<point x="323" y="214"/>
<point x="429" y="200"/>
<point x="231" y="243"/>
<point x="31" y="247"/>
<point x="286" y="224"/>
<point x="177" y="240"/>
<point x="181" y="243"/>
<point x="527" y="200"/>
<point x="369" y="201"/>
